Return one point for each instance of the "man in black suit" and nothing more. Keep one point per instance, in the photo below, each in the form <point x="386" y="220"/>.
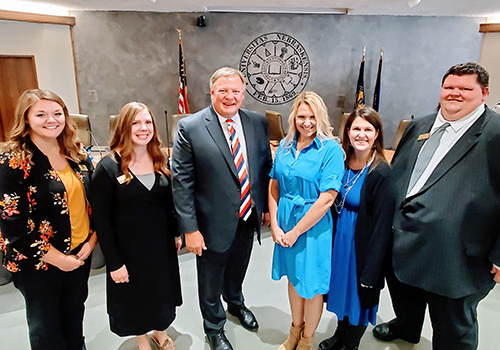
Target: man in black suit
<point x="220" y="165"/>
<point x="446" y="249"/>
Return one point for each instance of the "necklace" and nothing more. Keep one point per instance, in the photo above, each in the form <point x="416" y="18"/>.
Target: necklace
<point x="339" y="205"/>
<point x="354" y="178"/>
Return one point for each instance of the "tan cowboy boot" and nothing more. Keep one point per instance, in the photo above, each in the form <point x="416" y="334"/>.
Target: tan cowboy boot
<point x="293" y="338"/>
<point x="305" y="343"/>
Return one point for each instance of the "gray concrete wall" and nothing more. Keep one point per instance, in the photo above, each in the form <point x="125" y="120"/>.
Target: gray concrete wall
<point x="126" y="56"/>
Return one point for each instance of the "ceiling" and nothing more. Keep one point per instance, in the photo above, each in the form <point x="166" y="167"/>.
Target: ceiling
<point x="477" y="8"/>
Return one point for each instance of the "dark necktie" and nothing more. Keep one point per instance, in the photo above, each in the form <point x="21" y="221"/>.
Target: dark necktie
<point x="425" y="156"/>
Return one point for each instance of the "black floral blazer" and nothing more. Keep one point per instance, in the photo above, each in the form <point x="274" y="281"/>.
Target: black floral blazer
<point x="34" y="211"/>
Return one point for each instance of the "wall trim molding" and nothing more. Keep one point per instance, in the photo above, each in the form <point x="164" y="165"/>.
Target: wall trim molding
<point x="36" y="18"/>
<point x="489" y="28"/>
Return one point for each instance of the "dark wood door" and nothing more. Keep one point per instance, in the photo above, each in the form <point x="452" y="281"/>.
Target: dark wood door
<point x="17" y="74"/>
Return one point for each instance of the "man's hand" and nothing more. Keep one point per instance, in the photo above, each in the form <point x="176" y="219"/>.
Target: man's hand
<point x="195" y="242"/>
<point x="178" y="243"/>
<point x="495" y="270"/>
<point x="266" y="219"/>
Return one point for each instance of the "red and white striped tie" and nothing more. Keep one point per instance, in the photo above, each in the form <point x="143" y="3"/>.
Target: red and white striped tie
<point x="241" y="169"/>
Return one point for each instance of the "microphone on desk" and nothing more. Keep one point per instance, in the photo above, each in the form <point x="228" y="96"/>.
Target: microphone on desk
<point x="96" y="144"/>
<point x="168" y="134"/>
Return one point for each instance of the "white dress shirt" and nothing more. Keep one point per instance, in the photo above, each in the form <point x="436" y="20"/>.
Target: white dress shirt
<point x="238" y="126"/>
<point x="451" y="136"/>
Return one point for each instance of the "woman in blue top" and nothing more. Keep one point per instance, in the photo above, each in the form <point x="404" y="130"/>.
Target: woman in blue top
<point x="363" y="213"/>
<point x="305" y="179"/>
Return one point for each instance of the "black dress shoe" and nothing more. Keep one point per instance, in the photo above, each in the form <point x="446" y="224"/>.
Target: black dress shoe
<point x="383" y="332"/>
<point x="349" y="347"/>
<point x="246" y="317"/>
<point x="387" y="332"/>
<point x="219" y="342"/>
<point x="332" y="343"/>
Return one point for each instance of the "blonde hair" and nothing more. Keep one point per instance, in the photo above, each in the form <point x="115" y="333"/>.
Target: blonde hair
<point x="318" y="107"/>
<point x="122" y="140"/>
<point x="18" y="135"/>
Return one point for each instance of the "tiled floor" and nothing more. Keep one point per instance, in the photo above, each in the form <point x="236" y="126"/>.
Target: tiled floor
<point x="266" y="298"/>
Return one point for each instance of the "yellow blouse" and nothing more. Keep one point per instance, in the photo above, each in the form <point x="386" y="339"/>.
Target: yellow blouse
<point x="77" y="206"/>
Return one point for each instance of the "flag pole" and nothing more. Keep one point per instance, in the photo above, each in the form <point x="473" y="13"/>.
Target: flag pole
<point x="376" y="93"/>
<point x="182" y="73"/>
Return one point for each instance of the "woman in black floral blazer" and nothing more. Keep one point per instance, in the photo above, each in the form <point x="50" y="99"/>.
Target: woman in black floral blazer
<point x="45" y="225"/>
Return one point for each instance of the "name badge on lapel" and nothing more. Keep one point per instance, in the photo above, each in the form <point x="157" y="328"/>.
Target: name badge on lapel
<point x="424" y="136"/>
<point x="121" y="179"/>
<point x="83" y="167"/>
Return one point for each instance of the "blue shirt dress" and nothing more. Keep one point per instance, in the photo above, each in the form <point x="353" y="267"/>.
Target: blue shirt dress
<point x="318" y="168"/>
<point x="343" y="298"/>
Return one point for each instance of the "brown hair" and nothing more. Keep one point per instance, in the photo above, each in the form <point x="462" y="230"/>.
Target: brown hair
<point x="372" y="117"/>
<point x="17" y="136"/>
<point x="122" y="140"/>
<point x="469" y="68"/>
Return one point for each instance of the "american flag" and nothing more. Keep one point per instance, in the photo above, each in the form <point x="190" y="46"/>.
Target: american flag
<point x="183" y="100"/>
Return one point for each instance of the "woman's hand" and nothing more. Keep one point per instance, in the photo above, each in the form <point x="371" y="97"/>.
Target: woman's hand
<point x="120" y="275"/>
<point x="62" y="261"/>
<point x="69" y="263"/>
<point x="290" y="238"/>
<point x="87" y="248"/>
<point x="277" y="235"/>
<point x="178" y="243"/>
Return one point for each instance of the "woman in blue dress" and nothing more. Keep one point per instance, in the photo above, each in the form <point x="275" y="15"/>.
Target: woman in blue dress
<point x="305" y="179"/>
<point x="364" y="211"/>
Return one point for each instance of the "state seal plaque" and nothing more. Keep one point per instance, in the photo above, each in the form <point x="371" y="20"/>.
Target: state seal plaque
<point x="276" y="67"/>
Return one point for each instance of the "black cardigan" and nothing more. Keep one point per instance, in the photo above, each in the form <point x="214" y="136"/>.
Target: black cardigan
<point x="373" y="230"/>
<point x="33" y="208"/>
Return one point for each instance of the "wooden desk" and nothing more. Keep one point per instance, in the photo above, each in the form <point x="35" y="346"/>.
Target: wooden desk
<point x="388" y="153"/>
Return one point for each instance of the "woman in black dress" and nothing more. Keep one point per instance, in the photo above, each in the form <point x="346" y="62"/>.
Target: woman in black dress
<point x="137" y="230"/>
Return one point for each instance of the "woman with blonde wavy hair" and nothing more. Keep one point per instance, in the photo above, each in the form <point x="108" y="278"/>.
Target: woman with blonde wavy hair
<point x="138" y="231"/>
<point x="45" y="224"/>
<point x="305" y="179"/>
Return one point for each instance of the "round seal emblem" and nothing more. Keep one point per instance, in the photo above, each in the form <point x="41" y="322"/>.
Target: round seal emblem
<point x="276" y="67"/>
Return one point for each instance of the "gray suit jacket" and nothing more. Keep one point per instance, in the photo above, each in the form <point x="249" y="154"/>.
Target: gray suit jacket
<point x="205" y="184"/>
<point x="447" y="235"/>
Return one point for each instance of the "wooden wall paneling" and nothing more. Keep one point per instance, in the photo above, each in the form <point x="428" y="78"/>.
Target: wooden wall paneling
<point x="18" y="73"/>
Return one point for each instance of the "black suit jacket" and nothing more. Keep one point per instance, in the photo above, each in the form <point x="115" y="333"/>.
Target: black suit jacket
<point x="205" y="184"/>
<point x="447" y="235"/>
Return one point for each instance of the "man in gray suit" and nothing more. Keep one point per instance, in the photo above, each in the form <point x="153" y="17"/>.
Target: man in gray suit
<point x="446" y="249"/>
<point x="220" y="164"/>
